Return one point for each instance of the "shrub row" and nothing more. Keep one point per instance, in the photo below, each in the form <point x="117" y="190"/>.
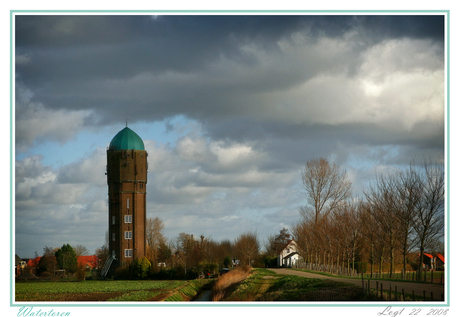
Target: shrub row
<point x="142" y="269"/>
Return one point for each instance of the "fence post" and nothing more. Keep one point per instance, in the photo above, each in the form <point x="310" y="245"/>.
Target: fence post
<point x="381" y="291"/>
<point x="390" y="291"/>
<point x="396" y="293"/>
<point x="413" y="295"/>
<point x="403" y="296"/>
<point x="423" y="295"/>
<point x="431" y="295"/>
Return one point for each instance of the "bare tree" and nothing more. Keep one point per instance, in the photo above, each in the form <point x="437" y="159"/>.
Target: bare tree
<point x="247" y="247"/>
<point x="429" y="220"/>
<point x="155" y="238"/>
<point x="372" y="234"/>
<point x="408" y="187"/>
<point x="325" y="186"/>
<point x="382" y="199"/>
<point x="102" y="253"/>
<point x="80" y="250"/>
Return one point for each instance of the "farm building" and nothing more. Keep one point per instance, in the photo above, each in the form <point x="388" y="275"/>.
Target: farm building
<point x="289" y="255"/>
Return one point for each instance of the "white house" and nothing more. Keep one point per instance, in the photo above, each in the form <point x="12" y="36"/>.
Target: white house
<point x="289" y="255"/>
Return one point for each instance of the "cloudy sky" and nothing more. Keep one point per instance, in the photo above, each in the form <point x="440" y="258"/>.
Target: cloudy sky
<point x="230" y="108"/>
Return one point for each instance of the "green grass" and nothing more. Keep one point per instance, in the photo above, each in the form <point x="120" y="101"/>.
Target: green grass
<point x="136" y="296"/>
<point x="265" y="285"/>
<point x="397" y="277"/>
<point x="188" y="291"/>
<point x="94" y="290"/>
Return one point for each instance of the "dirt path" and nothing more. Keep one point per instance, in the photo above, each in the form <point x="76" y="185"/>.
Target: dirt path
<point x="418" y="288"/>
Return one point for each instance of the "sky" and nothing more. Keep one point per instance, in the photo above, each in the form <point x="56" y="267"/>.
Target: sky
<point x="230" y="108"/>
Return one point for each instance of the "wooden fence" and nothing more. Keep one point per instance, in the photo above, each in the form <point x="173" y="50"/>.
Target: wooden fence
<point x="393" y="294"/>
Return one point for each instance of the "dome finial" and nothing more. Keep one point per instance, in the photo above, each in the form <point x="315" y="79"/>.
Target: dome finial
<point x="126" y="118"/>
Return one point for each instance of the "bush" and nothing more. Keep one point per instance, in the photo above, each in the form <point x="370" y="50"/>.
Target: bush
<point x="141" y="268"/>
<point x="168" y="274"/>
<point x="208" y="268"/>
<point x="227" y="261"/>
<point x="271" y="261"/>
<point x="122" y="273"/>
<point x="81" y="273"/>
<point x="361" y="267"/>
<point x="246" y="269"/>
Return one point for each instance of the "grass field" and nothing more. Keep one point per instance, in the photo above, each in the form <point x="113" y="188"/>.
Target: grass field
<point x="265" y="285"/>
<point x="108" y="290"/>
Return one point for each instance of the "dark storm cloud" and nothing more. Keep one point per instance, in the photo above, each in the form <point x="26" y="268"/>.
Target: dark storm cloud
<point x="71" y="56"/>
<point x="414" y="26"/>
<point x="117" y="46"/>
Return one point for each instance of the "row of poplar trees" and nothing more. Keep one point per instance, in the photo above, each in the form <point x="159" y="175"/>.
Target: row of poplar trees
<point x="401" y="212"/>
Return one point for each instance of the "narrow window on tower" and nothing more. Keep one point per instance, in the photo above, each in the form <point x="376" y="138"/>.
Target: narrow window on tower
<point x="128" y="235"/>
<point x="127" y="203"/>
<point x="113" y="220"/>
<point x="128" y="253"/>
<point x="113" y="236"/>
<point x="128" y="219"/>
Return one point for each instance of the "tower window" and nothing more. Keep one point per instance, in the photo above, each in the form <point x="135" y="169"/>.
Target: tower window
<point x="113" y="236"/>
<point x="128" y="218"/>
<point x="128" y="253"/>
<point x="128" y="234"/>
<point x="113" y="220"/>
<point x="127" y="203"/>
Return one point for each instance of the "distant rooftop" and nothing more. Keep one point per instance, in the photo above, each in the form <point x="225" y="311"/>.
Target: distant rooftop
<point x="126" y="139"/>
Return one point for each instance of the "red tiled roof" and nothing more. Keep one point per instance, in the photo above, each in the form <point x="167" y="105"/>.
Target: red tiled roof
<point x="90" y="260"/>
<point x="33" y="262"/>
<point x="441" y="257"/>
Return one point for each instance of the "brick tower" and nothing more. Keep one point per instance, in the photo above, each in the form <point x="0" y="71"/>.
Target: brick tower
<point x="127" y="180"/>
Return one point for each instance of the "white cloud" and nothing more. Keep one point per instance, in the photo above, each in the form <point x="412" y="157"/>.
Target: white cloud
<point x="35" y="123"/>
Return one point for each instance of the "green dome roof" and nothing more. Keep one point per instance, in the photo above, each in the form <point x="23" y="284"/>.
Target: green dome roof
<point x="126" y="139"/>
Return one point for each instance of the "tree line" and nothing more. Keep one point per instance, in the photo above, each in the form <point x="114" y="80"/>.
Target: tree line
<point x="187" y="256"/>
<point x="401" y="212"/>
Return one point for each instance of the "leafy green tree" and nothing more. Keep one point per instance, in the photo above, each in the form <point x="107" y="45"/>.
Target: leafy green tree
<point x="141" y="268"/>
<point x="67" y="258"/>
<point x="227" y="261"/>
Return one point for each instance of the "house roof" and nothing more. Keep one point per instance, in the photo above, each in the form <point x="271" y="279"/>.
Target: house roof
<point x="34" y="262"/>
<point x="438" y="255"/>
<point x="287" y="244"/>
<point x="290" y="255"/>
<point x="90" y="260"/>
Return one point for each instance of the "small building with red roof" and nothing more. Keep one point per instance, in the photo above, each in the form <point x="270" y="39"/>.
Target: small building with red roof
<point x="89" y="261"/>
